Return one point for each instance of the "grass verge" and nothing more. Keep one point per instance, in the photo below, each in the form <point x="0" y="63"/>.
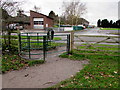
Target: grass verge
<point x="109" y="28"/>
<point x="101" y="72"/>
<point x="12" y="62"/>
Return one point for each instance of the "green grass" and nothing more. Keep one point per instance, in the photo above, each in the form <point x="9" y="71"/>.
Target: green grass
<point x="14" y="62"/>
<point x="109" y="28"/>
<point x="102" y="45"/>
<point x="40" y="44"/>
<point x="32" y="37"/>
<point x="14" y="43"/>
<point x="101" y="72"/>
<point x="98" y="48"/>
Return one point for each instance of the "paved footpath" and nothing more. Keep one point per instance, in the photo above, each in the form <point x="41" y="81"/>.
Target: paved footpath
<point x="53" y="71"/>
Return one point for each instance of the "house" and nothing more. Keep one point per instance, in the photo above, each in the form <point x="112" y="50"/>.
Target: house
<point x="83" y="21"/>
<point x="40" y="21"/>
<point x="21" y="19"/>
<point x="36" y="20"/>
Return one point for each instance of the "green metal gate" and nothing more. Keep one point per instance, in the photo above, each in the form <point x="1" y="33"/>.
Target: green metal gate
<point x="37" y="45"/>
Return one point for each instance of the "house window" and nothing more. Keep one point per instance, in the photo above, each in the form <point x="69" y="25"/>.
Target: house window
<point x="38" y="22"/>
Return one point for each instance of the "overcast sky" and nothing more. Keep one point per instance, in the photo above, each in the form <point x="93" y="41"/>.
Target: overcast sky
<point x="103" y="9"/>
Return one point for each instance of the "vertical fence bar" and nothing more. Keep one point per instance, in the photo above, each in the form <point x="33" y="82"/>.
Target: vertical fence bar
<point x="44" y="47"/>
<point x="68" y="44"/>
<point x="19" y="43"/>
<point x="28" y="40"/>
<point x="37" y="39"/>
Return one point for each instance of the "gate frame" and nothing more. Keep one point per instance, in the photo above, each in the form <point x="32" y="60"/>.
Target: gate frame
<point x="45" y="41"/>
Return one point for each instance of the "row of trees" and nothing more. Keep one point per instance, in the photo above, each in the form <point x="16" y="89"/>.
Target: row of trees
<point x="108" y="24"/>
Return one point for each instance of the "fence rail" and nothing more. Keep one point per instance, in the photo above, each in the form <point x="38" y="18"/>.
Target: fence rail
<point x="80" y="42"/>
<point x="39" y="46"/>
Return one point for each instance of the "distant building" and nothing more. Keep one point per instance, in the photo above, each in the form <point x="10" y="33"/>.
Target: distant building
<point x="83" y="21"/>
<point x="40" y="21"/>
<point x="34" y="21"/>
<point x="22" y="19"/>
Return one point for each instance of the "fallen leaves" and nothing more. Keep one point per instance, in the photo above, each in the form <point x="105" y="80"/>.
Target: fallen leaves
<point x="115" y="72"/>
<point x="86" y="77"/>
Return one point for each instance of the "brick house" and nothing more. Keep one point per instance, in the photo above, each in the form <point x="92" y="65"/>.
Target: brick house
<point x="40" y="21"/>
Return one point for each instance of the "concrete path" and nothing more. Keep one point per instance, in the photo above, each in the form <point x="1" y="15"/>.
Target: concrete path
<point x="42" y="76"/>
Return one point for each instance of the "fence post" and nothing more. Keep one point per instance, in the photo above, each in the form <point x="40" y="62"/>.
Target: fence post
<point x="68" y="43"/>
<point x="44" y="47"/>
<point x="38" y="39"/>
<point x="71" y="40"/>
<point x="28" y="40"/>
<point x="19" y="43"/>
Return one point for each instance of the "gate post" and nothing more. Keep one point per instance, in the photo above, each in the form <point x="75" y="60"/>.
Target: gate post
<point x="72" y="40"/>
<point x="44" y="47"/>
<point x="68" y="44"/>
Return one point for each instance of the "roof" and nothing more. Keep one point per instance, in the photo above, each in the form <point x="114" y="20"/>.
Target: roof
<point x="84" y="20"/>
<point x="41" y="14"/>
<point x="22" y="18"/>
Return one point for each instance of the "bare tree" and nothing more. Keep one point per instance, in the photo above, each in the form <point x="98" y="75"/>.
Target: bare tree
<point x="73" y="11"/>
<point x="37" y="9"/>
<point x="10" y="6"/>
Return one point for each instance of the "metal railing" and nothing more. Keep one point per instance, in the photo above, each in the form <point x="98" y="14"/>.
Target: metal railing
<point x="38" y="46"/>
<point x="85" y="43"/>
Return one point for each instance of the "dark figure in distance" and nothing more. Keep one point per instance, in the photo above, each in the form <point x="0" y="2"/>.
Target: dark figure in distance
<point x="52" y="35"/>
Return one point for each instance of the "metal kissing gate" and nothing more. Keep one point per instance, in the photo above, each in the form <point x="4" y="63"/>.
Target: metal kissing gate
<point x="39" y="46"/>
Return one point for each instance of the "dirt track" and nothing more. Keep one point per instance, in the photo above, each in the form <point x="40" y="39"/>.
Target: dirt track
<point x="42" y="76"/>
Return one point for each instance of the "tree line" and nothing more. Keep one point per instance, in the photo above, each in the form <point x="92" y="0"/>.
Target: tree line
<point x="108" y="24"/>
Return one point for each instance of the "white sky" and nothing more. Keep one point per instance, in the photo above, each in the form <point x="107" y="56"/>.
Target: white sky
<point x="102" y="9"/>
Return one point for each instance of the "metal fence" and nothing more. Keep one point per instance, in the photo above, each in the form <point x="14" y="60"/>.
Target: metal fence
<point x="38" y="45"/>
<point x="96" y="43"/>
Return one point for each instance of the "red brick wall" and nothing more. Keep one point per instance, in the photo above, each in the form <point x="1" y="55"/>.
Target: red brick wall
<point x="47" y="20"/>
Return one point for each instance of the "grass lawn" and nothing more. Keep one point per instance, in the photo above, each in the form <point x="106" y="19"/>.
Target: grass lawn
<point x="109" y="28"/>
<point x="101" y="72"/>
